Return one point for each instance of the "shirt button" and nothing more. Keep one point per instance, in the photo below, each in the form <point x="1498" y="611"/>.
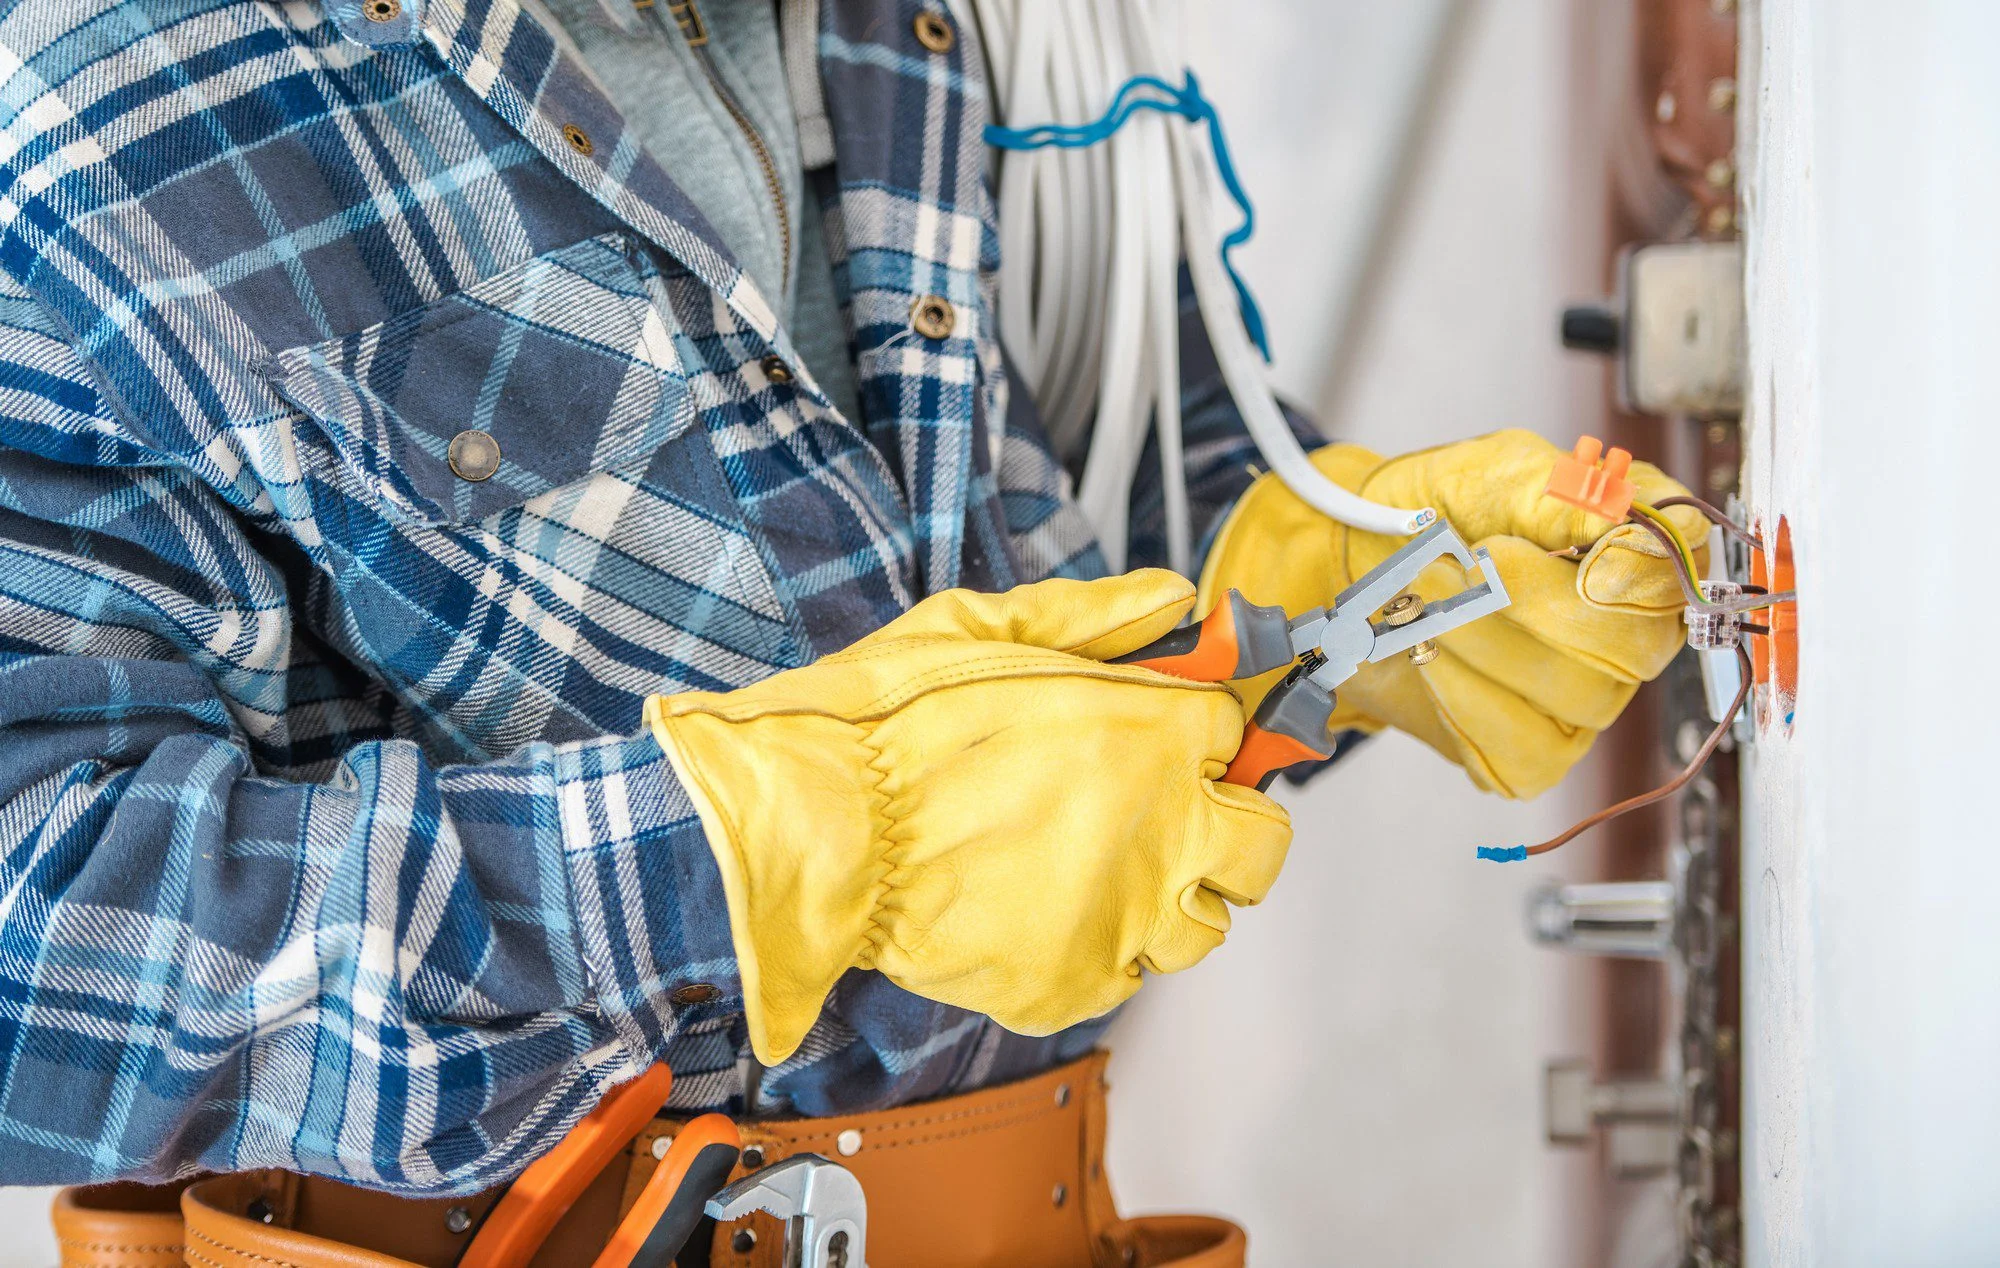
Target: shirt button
<point x="775" y="369"/>
<point x="383" y="10"/>
<point x="932" y="316"/>
<point x="578" y="139"/>
<point x="473" y="455"/>
<point x="934" y="33"/>
<point x="695" y="993"/>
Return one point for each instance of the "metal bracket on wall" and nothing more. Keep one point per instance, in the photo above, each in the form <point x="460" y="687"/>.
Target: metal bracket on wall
<point x="1676" y="328"/>
<point x="1639" y="1117"/>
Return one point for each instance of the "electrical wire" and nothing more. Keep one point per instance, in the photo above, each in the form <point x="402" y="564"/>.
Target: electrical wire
<point x="1692" y="591"/>
<point x="1667" y="789"/>
<point x="1680" y="543"/>
<point x="1101" y="197"/>
<point x="1716" y="517"/>
<point x="1688" y="574"/>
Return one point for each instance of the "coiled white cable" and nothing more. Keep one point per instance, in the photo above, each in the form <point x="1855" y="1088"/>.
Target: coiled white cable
<point x="1091" y="242"/>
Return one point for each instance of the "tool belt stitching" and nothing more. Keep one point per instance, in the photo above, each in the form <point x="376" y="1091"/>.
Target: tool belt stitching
<point x="998" y="1107"/>
<point x="129" y="1247"/>
<point x="955" y="1135"/>
<point x="195" y="1234"/>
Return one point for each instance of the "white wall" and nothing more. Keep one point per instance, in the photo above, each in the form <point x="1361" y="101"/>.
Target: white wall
<point x="1355" y="1075"/>
<point x="1874" y="284"/>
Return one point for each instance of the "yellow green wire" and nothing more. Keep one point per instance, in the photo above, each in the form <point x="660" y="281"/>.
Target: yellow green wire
<point x="1680" y="543"/>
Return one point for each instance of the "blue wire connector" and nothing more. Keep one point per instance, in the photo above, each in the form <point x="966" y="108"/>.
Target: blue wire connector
<point x="1504" y="853"/>
<point x="1187" y="102"/>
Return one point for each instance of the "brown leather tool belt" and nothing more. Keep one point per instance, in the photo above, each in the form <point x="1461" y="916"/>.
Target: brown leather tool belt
<point x="1008" y="1175"/>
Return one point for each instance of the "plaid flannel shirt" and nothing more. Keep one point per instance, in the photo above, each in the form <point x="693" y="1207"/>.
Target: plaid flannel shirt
<point x="330" y="841"/>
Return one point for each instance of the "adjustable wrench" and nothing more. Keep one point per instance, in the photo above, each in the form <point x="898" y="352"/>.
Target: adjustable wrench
<point x="825" y="1214"/>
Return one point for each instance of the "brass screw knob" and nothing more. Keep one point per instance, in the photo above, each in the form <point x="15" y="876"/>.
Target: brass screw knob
<point x="1424" y="653"/>
<point x="1402" y="610"/>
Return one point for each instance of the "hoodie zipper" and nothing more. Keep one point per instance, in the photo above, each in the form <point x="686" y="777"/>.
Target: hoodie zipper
<point x="688" y="18"/>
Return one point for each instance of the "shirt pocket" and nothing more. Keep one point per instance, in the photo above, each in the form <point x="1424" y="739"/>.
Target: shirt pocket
<point x="532" y="379"/>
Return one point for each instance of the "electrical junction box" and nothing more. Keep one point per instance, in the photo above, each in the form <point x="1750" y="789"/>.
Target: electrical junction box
<point x="1676" y="329"/>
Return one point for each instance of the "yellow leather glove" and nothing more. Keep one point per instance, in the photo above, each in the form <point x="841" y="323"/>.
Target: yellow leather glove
<point x="1517" y="697"/>
<point x="970" y="802"/>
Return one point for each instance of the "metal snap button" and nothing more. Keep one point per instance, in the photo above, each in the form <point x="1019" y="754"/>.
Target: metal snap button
<point x="933" y="317"/>
<point x="578" y="139"/>
<point x="934" y="33"/>
<point x="695" y="993"/>
<point x="775" y="369"/>
<point x="382" y="10"/>
<point x="848" y="1143"/>
<point x="474" y="455"/>
<point x="743" y="1240"/>
<point x="1061" y="1195"/>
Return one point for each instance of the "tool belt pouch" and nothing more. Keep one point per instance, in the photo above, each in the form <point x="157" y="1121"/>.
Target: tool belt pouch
<point x="1009" y="1175"/>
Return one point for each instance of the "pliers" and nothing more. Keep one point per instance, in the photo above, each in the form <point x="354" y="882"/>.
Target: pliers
<point x="660" y="1221"/>
<point x="1240" y="639"/>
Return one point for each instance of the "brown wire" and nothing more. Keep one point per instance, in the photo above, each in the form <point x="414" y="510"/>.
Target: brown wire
<point x="1691" y="590"/>
<point x="1715" y="516"/>
<point x="1673" y="785"/>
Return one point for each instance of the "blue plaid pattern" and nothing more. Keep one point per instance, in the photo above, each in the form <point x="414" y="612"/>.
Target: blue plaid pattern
<point x="326" y="841"/>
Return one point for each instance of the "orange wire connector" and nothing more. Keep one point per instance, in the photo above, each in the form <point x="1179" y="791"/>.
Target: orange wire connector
<point x="1600" y="487"/>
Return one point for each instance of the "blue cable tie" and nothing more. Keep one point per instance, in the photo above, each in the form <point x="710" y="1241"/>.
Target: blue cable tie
<point x="1504" y="853"/>
<point x="1187" y="102"/>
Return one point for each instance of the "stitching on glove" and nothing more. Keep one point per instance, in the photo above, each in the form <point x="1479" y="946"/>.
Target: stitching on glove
<point x="999" y="668"/>
<point x="892" y="839"/>
<point x="1471" y="751"/>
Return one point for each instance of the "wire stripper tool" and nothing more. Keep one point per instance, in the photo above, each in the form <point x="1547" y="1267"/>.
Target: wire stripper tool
<point x="1240" y="639"/>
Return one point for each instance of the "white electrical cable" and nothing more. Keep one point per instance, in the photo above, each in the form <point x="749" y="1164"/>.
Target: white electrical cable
<point x="1091" y="242"/>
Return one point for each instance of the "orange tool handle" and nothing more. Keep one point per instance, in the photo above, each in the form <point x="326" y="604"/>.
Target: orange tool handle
<point x="670" y="1206"/>
<point x="536" y="1202"/>
<point x="1264" y="754"/>
<point x="1238" y="639"/>
<point x="1290" y="727"/>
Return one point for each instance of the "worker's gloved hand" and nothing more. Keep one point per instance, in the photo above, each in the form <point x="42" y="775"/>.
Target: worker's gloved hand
<point x="1517" y="697"/>
<point x="971" y="802"/>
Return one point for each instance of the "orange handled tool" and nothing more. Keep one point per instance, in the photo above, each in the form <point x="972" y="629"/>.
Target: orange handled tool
<point x="668" y="1208"/>
<point x="536" y="1202"/>
<point x="1239" y="639"/>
